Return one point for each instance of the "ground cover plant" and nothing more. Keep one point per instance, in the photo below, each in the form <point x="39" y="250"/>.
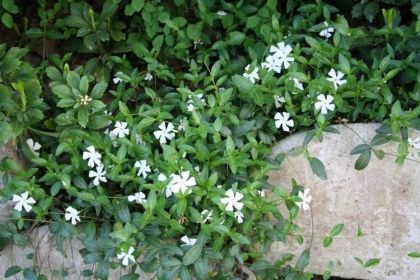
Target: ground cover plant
<point x="147" y="126"/>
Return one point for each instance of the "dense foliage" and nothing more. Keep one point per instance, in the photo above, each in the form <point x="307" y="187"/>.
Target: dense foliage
<point x="147" y="125"/>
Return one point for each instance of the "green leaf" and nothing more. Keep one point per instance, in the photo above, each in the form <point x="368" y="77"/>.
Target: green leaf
<point x="84" y="85"/>
<point x="303" y="260"/>
<point x="239" y="238"/>
<point x="6" y="132"/>
<point x="372" y="262"/>
<point x="185" y="274"/>
<point x="53" y="73"/>
<point x="137" y="5"/>
<point x="29" y="274"/>
<point x="98" y="90"/>
<point x="123" y="213"/>
<point x="318" y="167"/>
<point x="86" y="196"/>
<point x="7" y="20"/>
<point x="363" y="160"/>
<point x="123" y="109"/>
<point x="243" y="84"/>
<point x="83" y="116"/>
<point x="145" y="123"/>
<point x="360" y="261"/>
<point x="192" y="254"/>
<point x="360" y="149"/>
<point x="260" y="265"/>
<point x="252" y="22"/>
<point x="10" y="6"/>
<point x="235" y="38"/>
<point x="194" y="31"/>
<point x="244" y="128"/>
<point x="13" y="270"/>
<point x="337" y="229"/>
<point x="62" y="91"/>
<point x="379" y="139"/>
<point x="327" y="241"/>
<point x="380" y="154"/>
<point x="414" y="254"/>
<point x="66" y="102"/>
<point x="344" y="63"/>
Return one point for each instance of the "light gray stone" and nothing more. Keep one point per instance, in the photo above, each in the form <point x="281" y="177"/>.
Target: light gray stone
<point x="49" y="261"/>
<point x="382" y="199"/>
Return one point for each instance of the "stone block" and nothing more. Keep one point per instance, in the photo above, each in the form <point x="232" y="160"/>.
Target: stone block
<point x="383" y="200"/>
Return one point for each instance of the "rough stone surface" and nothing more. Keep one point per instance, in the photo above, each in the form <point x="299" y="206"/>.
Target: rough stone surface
<point x="382" y="199"/>
<point x="49" y="261"/>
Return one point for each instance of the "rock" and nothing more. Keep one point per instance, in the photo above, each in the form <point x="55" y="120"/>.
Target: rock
<point x="383" y="200"/>
<point x="49" y="261"/>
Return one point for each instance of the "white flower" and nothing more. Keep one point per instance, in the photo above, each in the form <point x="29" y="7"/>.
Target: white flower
<point x="327" y="32"/>
<point x="182" y="124"/>
<point x="272" y="63"/>
<point x="112" y="136"/>
<point x="33" y="146"/>
<point x="148" y="77"/>
<point x="197" y="43"/>
<point x="414" y="143"/>
<point x="278" y="100"/>
<point x="162" y="177"/>
<point x="93" y="156"/>
<point x="182" y="183"/>
<point x="232" y="200"/>
<point x="72" y="214"/>
<point x="335" y="78"/>
<point x="280" y="56"/>
<point x="168" y="189"/>
<point x="282" y="119"/>
<point x="188" y="241"/>
<point x="190" y="102"/>
<point x="23" y="200"/>
<point x="306" y="199"/>
<point x="281" y="49"/>
<point x="285" y="60"/>
<point x="117" y="80"/>
<point x="298" y="84"/>
<point x="190" y="106"/>
<point x="261" y="193"/>
<point x="221" y="13"/>
<point x="207" y="215"/>
<point x="138" y="197"/>
<point x="165" y="132"/>
<point x="253" y="76"/>
<point x="143" y="168"/>
<point x="120" y="129"/>
<point x="126" y="256"/>
<point x="325" y="103"/>
<point x="239" y="216"/>
<point x="98" y="175"/>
